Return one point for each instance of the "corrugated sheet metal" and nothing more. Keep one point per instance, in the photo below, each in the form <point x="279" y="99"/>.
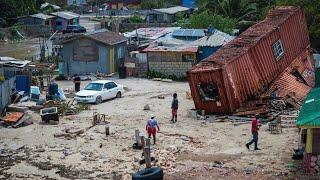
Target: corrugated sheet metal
<point x="247" y="66"/>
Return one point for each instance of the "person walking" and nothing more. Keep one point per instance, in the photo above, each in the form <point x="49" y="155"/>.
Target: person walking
<point x="174" y="108"/>
<point x="254" y="130"/>
<point x="151" y="128"/>
<point x="77" y="82"/>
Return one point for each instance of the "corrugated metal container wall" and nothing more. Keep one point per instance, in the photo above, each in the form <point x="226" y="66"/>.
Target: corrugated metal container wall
<point x="294" y="38"/>
<point x="250" y="74"/>
<point x="208" y="77"/>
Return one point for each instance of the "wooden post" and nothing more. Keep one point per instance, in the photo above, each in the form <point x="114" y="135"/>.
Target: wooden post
<point x="143" y="142"/>
<point x="137" y="135"/>
<point x="95" y="119"/>
<point x="147" y="154"/>
<point x="107" y="130"/>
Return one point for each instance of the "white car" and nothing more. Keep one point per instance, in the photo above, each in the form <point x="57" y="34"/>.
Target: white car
<point x="98" y="91"/>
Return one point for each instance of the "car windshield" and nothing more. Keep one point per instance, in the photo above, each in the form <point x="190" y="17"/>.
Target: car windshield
<point x="94" y="87"/>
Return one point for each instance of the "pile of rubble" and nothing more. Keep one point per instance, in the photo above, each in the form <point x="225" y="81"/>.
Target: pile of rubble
<point x="315" y="164"/>
<point x="166" y="159"/>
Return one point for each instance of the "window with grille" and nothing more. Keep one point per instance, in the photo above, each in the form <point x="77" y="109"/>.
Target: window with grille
<point x="278" y="50"/>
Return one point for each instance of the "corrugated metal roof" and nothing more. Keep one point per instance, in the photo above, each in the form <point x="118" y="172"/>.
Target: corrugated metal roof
<point x="246" y="67"/>
<point x="217" y="39"/>
<point x="252" y="36"/>
<point x="42" y="16"/>
<point x="12" y="62"/>
<point x="150" y="33"/>
<point x="188" y="33"/>
<point x="172" y="49"/>
<point x="172" y="10"/>
<point x="66" y="14"/>
<point x="309" y="115"/>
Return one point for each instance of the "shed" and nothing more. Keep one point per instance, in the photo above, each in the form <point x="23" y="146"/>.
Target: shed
<point x="65" y="18"/>
<point x="100" y="51"/>
<point x="309" y="122"/>
<point x="40" y="22"/>
<point x="166" y="15"/>
<point x="276" y="49"/>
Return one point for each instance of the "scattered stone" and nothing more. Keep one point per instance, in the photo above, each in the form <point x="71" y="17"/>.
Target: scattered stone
<point x="146" y="107"/>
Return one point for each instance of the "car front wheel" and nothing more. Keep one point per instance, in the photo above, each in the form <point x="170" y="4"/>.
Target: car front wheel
<point x="99" y="100"/>
<point x="118" y="95"/>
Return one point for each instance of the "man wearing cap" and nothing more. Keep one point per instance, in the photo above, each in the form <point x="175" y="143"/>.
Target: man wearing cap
<point x="254" y="130"/>
<point x="151" y="128"/>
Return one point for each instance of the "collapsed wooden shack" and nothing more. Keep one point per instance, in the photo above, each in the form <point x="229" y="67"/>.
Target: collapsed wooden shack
<point x="272" y="57"/>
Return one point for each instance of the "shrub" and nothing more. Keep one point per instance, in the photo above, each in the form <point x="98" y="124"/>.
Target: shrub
<point x="155" y="74"/>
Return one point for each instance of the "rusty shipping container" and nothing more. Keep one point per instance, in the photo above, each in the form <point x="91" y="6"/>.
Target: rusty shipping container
<point x="249" y="65"/>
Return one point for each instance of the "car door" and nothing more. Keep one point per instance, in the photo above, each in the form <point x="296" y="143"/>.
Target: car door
<point x="105" y="91"/>
<point x="114" y="89"/>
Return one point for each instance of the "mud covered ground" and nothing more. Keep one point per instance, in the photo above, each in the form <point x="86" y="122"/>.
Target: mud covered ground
<point x="189" y="149"/>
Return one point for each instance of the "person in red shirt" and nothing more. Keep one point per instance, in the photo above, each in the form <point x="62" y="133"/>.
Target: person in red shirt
<point x="254" y="130"/>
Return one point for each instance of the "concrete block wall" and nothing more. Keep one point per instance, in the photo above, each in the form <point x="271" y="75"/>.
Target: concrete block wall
<point x="170" y="68"/>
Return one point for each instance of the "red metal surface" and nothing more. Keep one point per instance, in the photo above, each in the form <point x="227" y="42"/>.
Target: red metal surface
<point x="246" y="67"/>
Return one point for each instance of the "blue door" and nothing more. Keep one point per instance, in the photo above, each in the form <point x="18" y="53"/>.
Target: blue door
<point x="23" y="83"/>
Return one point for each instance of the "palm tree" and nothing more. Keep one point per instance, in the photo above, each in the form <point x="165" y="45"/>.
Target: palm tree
<point x="239" y="9"/>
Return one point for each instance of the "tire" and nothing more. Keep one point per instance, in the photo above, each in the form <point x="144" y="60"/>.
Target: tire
<point x="118" y="95"/>
<point x="154" y="173"/>
<point x="99" y="100"/>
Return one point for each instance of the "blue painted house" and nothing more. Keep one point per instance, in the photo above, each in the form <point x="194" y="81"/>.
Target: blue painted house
<point x="211" y="43"/>
<point x="100" y="51"/>
<point x="65" y="18"/>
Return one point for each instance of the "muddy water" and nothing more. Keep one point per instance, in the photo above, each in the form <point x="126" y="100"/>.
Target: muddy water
<point x="28" y="48"/>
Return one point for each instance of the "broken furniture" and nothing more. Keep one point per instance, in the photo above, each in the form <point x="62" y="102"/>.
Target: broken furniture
<point x="48" y="114"/>
<point x="275" y="127"/>
<point x="12" y="118"/>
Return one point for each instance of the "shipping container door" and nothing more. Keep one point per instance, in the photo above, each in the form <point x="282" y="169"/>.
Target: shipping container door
<point x="23" y="83"/>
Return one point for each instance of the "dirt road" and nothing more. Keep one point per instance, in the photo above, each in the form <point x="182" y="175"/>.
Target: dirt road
<point x="189" y="149"/>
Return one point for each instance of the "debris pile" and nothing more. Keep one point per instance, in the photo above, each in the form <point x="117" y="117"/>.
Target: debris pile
<point x="67" y="108"/>
<point x="166" y="159"/>
<point x="69" y="133"/>
<point x="315" y="164"/>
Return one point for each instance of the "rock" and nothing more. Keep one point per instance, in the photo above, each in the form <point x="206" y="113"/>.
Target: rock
<point x="146" y="107"/>
<point x="248" y="170"/>
<point x="136" y="159"/>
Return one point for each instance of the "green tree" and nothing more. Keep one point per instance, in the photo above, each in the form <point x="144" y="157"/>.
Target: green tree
<point x="204" y="19"/>
<point x="240" y="9"/>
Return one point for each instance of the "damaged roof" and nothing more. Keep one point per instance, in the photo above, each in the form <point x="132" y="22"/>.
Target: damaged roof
<point x="218" y="38"/>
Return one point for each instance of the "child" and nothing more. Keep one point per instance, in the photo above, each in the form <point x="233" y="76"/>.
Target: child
<point x="174" y="108"/>
<point x="151" y="128"/>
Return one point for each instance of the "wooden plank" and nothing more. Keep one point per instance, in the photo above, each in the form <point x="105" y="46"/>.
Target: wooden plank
<point x="147" y="155"/>
<point x="137" y="136"/>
